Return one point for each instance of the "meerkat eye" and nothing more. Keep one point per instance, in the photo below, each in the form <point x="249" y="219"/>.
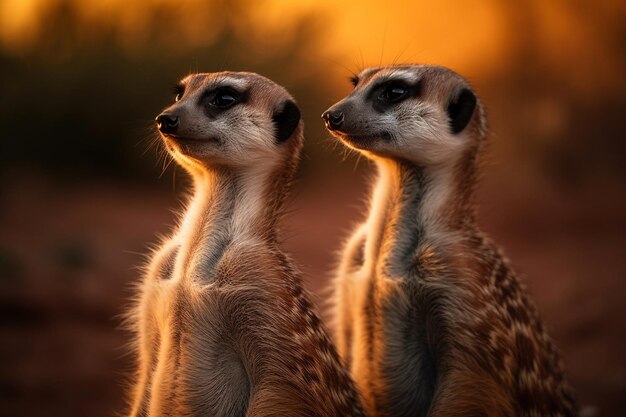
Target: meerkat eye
<point x="225" y="98"/>
<point x="179" y="90"/>
<point x="393" y="92"/>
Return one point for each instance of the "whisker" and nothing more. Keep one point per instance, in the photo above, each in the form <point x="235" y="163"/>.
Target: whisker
<point x="382" y="52"/>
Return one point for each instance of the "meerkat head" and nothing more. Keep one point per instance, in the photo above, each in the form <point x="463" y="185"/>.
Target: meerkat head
<point x="421" y="113"/>
<point x="232" y="119"/>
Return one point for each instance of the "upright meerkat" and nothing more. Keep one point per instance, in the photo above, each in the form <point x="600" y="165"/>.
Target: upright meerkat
<point x="431" y="318"/>
<point x="224" y="325"/>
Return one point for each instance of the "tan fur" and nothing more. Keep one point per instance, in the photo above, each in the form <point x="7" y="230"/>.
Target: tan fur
<point x="431" y="319"/>
<point x="224" y="326"/>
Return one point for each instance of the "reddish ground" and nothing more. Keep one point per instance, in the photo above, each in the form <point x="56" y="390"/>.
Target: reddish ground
<point x="68" y="258"/>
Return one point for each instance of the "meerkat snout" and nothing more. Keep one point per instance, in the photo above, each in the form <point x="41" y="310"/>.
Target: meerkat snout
<point x="333" y="119"/>
<point x="167" y="123"/>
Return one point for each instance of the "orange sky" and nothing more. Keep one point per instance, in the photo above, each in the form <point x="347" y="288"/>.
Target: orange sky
<point x="356" y="31"/>
<point x="468" y="36"/>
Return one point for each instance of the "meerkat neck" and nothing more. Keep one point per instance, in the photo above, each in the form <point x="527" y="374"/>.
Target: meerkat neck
<point x="243" y="201"/>
<point x="413" y="206"/>
<point x="227" y="207"/>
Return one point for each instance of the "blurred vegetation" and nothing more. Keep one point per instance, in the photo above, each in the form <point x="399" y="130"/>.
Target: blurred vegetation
<point x="564" y="83"/>
<point x="80" y="100"/>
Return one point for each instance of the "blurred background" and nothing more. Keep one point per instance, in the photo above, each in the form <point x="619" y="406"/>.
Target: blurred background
<point x="83" y="193"/>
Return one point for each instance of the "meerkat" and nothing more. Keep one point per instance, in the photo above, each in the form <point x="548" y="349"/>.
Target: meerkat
<point x="431" y="320"/>
<point x="224" y="325"/>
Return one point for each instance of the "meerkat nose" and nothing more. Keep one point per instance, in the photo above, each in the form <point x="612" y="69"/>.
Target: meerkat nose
<point x="333" y="119"/>
<point x="167" y="123"/>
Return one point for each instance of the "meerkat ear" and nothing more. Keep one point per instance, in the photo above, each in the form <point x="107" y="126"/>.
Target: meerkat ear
<point x="460" y="110"/>
<point x="286" y="118"/>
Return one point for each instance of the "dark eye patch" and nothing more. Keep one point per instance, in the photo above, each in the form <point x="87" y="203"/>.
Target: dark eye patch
<point x="221" y="98"/>
<point x="385" y="93"/>
<point x="224" y="98"/>
<point x="393" y="93"/>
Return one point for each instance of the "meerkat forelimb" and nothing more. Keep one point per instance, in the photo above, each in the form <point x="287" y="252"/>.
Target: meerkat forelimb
<point x="432" y="320"/>
<point x="224" y="325"/>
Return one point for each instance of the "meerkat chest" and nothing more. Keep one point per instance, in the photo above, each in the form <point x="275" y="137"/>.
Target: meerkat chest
<point x="392" y="359"/>
<point x="193" y="299"/>
<point x="198" y="369"/>
<point x="214" y="367"/>
<point x="206" y="261"/>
